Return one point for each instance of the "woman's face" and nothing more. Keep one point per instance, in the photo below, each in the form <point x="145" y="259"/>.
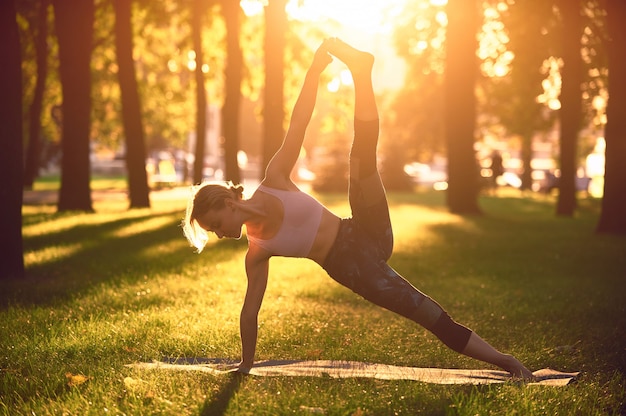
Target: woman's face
<point x="223" y="222"/>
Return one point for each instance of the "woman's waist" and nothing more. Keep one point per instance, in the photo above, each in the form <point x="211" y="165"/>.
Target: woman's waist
<point x="325" y="238"/>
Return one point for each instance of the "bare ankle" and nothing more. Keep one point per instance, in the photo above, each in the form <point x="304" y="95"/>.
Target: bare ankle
<point x="356" y="60"/>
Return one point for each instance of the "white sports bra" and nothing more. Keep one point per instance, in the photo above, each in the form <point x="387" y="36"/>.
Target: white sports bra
<point x="301" y="220"/>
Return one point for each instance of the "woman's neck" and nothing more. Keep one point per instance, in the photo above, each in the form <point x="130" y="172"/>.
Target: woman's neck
<point x="254" y="213"/>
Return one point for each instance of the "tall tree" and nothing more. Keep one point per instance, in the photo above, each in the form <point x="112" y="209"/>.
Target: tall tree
<point x="571" y="102"/>
<point x="138" y="191"/>
<point x="201" y="99"/>
<point x="613" y="217"/>
<point x="33" y="149"/>
<point x="513" y="99"/>
<point x="273" y="105"/>
<point x="414" y="121"/>
<point x="461" y="68"/>
<point x="12" y="264"/>
<point x="74" y="27"/>
<point x="232" y="100"/>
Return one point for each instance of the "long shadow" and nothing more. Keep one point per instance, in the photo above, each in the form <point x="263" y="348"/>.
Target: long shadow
<point x="218" y="404"/>
<point x="98" y="256"/>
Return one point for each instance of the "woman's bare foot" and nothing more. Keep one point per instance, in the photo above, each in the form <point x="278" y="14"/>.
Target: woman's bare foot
<point x="517" y="369"/>
<point x="356" y="60"/>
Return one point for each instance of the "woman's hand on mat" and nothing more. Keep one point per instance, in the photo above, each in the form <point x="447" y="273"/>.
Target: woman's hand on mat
<point x="244" y="368"/>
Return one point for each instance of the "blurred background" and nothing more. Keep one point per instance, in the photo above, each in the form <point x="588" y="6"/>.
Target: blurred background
<point x="182" y="49"/>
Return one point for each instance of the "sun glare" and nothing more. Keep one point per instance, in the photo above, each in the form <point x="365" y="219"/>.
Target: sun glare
<point x="362" y="23"/>
<point x="368" y="16"/>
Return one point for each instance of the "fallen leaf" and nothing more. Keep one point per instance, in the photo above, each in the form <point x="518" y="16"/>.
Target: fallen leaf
<point x="75" y="379"/>
<point x="130" y="382"/>
<point x="315" y="410"/>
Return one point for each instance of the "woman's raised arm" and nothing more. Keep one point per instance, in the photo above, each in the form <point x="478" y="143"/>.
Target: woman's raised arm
<point x="284" y="160"/>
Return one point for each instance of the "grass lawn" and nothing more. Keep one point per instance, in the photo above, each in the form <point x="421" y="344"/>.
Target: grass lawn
<point x="115" y="287"/>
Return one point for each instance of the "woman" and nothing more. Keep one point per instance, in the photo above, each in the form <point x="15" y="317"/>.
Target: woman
<point x="281" y="220"/>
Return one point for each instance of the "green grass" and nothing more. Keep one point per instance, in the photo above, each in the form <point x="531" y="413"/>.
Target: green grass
<point x="115" y="287"/>
<point x="98" y="182"/>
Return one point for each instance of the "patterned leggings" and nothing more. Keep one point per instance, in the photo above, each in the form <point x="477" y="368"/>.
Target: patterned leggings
<point x="358" y="258"/>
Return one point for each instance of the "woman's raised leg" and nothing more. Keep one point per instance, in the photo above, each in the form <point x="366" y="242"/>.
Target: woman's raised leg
<point x="369" y="207"/>
<point x="367" y="194"/>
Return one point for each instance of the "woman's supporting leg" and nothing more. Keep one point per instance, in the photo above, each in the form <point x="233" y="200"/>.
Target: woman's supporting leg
<point x="479" y="349"/>
<point x="433" y="317"/>
<point x="356" y="265"/>
<point x="369" y="206"/>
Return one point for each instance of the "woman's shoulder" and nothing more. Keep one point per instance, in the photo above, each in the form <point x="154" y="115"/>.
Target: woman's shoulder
<point x="278" y="184"/>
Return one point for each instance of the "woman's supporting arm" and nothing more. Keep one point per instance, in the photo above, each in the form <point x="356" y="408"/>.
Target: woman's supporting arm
<point x="257" y="269"/>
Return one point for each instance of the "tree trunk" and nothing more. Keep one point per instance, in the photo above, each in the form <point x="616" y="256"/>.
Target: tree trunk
<point x="11" y="168"/>
<point x="33" y="149"/>
<point x="527" y="158"/>
<point x="273" y="101"/>
<point x="138" y="191"/>
<point x="613" y="216"/>
<point x="74" y="27"/>
<point x="232" y="99"/>
<point x="571" y="103"/>
<point x="201" y="101"/>
<point x="460" y="106"/>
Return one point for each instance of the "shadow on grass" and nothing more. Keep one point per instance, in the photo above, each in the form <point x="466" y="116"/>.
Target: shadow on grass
<point x="518" y="250"/>
<point x="98" y="256"/>
<point x="218" y="404"/>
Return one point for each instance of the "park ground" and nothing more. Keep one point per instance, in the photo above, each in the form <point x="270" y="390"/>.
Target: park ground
<point x="120" y="286"/>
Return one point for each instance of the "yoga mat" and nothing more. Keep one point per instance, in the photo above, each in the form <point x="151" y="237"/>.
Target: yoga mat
<point x="354" y="369"/>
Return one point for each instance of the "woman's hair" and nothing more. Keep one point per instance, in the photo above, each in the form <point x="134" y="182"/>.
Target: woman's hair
<point x="206" y="197"/>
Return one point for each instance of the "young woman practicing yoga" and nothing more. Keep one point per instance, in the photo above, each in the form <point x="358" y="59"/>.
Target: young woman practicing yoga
<point x="281" y="220"/>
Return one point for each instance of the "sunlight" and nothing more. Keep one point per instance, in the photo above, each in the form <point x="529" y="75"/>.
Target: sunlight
<point x="492" y="51"/>
<point x="51" y="254"/>
<point x="142" y="225"/>
<point x="252" y="7"/>
<point x="552" y="83"/>
<point x="365" y="24"/>
<point x="368" y="16"/>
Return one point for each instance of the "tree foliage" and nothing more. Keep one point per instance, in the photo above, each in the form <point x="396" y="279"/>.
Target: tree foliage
<point x="43" y="145"/>
<point x="414" y="127"/>
<point x="416" y="115"/>
<point x="531" y="29"/>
